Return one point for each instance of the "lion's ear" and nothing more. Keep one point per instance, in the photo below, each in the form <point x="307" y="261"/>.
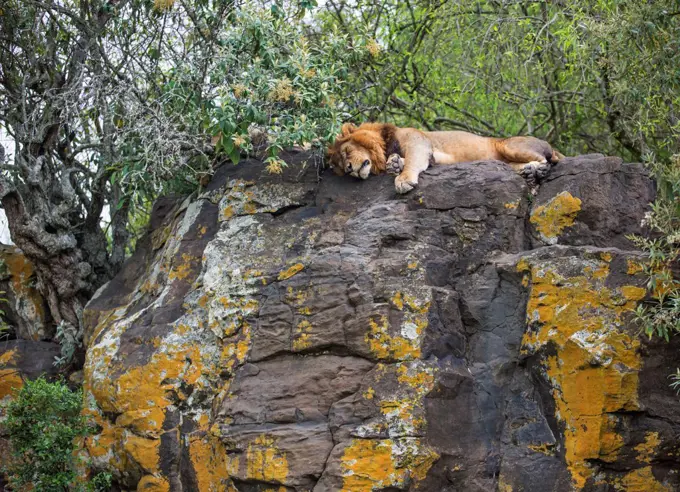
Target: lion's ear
<point x="347" y="128"/>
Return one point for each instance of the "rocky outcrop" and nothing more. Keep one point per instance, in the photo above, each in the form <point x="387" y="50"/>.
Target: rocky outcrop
<point x="300" y="332"/>
<point x="24" y="310"/>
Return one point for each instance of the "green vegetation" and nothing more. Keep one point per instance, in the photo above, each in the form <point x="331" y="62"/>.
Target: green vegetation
<point x="44" y="424"/>
<point x="132" y="99"/>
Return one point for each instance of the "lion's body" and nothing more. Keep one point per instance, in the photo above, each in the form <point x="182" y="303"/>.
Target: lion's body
<point x="371" y="144"/>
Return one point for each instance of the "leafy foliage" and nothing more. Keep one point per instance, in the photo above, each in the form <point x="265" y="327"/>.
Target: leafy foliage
<point x="44" y="423"/>
<point x="130" y="99"/>
<point x="585" y="75"/>
<point x="661" y="316"/>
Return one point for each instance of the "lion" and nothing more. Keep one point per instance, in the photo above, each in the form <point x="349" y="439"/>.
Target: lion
<point x="376" y="148"/>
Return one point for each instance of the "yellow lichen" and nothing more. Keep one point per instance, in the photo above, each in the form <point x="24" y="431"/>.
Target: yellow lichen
<point x="147" y="421"/>
<point x="182" y="270"/>
<point x="556" y="215"/>
<point x="634" y="267"/>
<point x="210" y="463"/>
<point x="647" y="449"/>
<point x="367" y="464"/>
<point x="511" y="205"/>
<point x="543" y="448"/>
<point x="144" y="452"/>
<point x="8" y="357"/>
<point x="264" y="461"/>
<point x="642" y="480"/>
<point x="419" y="378"/>
<point x="385" y="346"/>
<point x="301" y="339"/>
<point x="10" y="381"/>
<point x="289" y="272"/>
<point x="21" y="272"/>
<point x="152" y="483"/>
<point x="370" y="464"/>
<point x="594" y="371"/>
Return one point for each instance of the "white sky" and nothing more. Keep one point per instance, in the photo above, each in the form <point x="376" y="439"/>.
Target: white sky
<point x="8" y="144"/>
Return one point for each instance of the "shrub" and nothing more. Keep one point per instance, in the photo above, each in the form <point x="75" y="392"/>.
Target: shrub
<point x="44" y="425"/>
<point x="661" y="315"/>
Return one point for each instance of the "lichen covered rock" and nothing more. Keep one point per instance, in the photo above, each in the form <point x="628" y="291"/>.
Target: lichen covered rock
<point x="25" y="310"/>
<point x="298" y="333"/>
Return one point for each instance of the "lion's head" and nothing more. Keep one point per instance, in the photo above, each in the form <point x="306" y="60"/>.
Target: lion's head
<point x="358" y="151"/>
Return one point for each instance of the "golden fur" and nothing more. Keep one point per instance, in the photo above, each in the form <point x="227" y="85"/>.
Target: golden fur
<point x="372" y="147"/>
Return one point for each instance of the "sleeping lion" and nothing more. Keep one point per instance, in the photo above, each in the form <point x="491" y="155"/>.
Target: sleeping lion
<point x="374" y="148"/>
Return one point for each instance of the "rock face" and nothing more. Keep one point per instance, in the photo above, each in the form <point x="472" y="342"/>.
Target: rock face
<point x="25" y="310"/>
<point x="315" y="333"/>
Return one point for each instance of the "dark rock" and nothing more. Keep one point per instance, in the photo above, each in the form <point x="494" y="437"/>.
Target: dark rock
<point x="305" y="331"/>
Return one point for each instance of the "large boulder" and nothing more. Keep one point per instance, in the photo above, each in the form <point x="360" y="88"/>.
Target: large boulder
<point x="304" y="331"/>
<point x="25" y="314"/>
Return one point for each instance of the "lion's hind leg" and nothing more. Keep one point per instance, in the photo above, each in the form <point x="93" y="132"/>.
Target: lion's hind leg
<point x="530" y="157"/>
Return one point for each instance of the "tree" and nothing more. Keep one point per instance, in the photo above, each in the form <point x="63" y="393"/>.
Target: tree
<point x="111" y="102"/>
<point x="587" y="76"/>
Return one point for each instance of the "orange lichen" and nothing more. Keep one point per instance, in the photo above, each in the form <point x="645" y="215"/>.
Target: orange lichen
<point x="594" y="372"/>
<point x="556" y="215"/>
<point x="367" y="464"/>
<point x="634" y="267"/>
<point x="8" y="357"/>
<point x="302" y="337"/>
<point x="385" y="346"/>
<point x="227" y="212"/>
<point x="543" y="448"/>
<point x="152" y="483"/>
<point x="264" y="461"/>
<point x="646" y="450"/>
<point x="10" y="381"/>
<point x="148" y="421"/>
<point x="642" y="480"/>
<point x="398" y="301"/>
<point x="511" y="205"/>
<point x="21" y="271"/>
<point x="182" y="270"/>
<point x="152" y="381"/>
<point x="418" y="378"/>
<point x="369" y="393"/>
<point x="291" y="271"/>
<point x="209" y="460"/>
<point x="370" y="464"/>
<point x="144" y="452"/>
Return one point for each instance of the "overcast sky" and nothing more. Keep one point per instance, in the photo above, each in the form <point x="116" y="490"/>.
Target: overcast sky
<point x="8" y="144"/>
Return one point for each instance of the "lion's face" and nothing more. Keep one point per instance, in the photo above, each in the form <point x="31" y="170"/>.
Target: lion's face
<point x="352" y="159"/>
<point x="357" y="152"/>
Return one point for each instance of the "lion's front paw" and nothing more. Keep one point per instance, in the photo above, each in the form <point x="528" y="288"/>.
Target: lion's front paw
<point x="394" y="164"/>
<point x="403" y="184"/>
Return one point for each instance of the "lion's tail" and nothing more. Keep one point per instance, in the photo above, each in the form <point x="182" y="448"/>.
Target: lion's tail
<point x="556" y="156"/>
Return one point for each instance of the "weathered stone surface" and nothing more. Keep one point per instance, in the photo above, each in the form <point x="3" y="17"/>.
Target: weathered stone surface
<point x="591" y="200"/>
<point x="25" y="310"/>
<point x="302" y="332"/>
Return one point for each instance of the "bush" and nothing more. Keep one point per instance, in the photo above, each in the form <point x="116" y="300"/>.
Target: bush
<point x="661" y="315"/>
<point x="44" y="425"/>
